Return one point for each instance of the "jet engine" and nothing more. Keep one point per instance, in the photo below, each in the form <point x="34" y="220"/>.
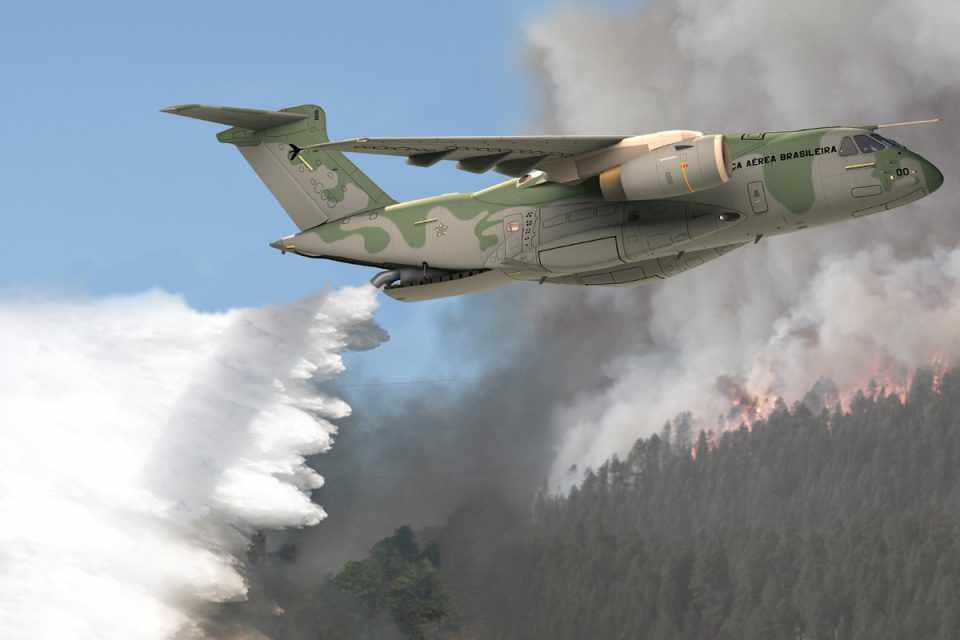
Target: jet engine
<point x="671" y="170"/>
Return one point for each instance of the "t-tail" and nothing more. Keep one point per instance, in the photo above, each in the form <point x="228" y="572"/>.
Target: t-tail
<point x="312" y="185"/>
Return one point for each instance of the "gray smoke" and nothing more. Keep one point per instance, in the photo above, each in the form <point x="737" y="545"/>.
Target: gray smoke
<point x="575" y="375"/>
<point x="872" y="296"/>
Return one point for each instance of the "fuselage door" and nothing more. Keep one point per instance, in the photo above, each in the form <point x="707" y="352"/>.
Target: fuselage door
<point x="850" y="176"/>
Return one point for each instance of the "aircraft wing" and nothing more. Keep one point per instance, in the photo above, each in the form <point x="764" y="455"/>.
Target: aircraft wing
<point x="510" y="155"/>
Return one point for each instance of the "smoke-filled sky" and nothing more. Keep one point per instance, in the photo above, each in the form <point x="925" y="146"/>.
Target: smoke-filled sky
<point x="572" y="375"/>
<point x="845" y="301"/>
<point x="144" y="442"/>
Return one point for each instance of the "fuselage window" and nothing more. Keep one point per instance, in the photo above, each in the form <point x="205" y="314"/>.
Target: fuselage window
<point x="868" y="144"/>
<point x="847" y="148"/>
<point x="892" y="143"/>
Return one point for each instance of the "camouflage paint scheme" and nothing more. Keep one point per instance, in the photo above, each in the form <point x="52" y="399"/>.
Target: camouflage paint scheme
<point x="779" y="182"/>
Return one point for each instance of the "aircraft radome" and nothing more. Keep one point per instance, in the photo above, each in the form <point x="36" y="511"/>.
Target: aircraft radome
<point x="584" y="210"/>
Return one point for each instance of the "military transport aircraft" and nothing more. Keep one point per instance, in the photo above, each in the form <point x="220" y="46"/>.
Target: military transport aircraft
<point x="584" y="210"/>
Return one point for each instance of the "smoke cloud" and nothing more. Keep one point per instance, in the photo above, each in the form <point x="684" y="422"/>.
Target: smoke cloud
<point x="571" y="376"/>
<point x="869" y="297"/>
<point x="144" y="442"/>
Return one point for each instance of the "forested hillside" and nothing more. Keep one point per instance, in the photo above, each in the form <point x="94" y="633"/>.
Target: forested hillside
<point x="810" y="525"/>
<point x="814" y="524"/>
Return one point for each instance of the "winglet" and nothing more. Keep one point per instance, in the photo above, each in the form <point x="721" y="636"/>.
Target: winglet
<point x="254" y="119"/>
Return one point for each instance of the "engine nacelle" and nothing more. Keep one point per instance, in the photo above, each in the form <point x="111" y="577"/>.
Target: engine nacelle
<point x="672" y="170"/>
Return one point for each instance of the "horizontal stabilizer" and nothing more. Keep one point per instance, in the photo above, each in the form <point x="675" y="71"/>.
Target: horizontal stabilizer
<point x="255" y="119"/>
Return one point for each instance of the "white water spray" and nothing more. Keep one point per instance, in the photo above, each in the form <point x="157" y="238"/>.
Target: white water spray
<point x="142" y="444"/>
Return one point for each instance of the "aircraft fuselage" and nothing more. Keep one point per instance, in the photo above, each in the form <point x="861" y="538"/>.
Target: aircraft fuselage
<point x="569" y="234"/>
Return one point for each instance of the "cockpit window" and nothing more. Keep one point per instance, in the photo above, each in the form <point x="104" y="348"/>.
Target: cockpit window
<point x="892" y="143"/>
<point x="847" y="148"/>
<point x="868" y="144"/>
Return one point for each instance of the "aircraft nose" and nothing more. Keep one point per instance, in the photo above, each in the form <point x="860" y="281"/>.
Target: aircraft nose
<point x="933" y="176"/>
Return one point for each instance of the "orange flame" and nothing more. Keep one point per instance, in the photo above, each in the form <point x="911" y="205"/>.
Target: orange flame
<point x="884" y="379"/>
<point x="745" y="409"/>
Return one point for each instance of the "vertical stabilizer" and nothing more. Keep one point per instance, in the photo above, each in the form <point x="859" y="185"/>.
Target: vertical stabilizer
<point x="313" y="186"/>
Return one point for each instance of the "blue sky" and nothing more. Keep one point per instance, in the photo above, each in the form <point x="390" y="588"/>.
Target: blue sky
<point x="103" y="194"/>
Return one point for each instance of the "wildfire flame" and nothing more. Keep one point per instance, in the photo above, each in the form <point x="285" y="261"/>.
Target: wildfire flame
<point x="745" y="408"/>
<point x="883" y="379"/>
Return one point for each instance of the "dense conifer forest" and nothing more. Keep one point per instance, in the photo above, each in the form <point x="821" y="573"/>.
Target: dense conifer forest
<point x="815" y="523"/>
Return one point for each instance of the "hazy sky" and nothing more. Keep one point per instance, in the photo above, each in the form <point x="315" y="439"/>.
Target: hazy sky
<point x="104" y="194"/>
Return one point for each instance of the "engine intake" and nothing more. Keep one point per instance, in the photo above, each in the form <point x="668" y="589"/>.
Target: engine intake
<point x="673" y="170"/>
